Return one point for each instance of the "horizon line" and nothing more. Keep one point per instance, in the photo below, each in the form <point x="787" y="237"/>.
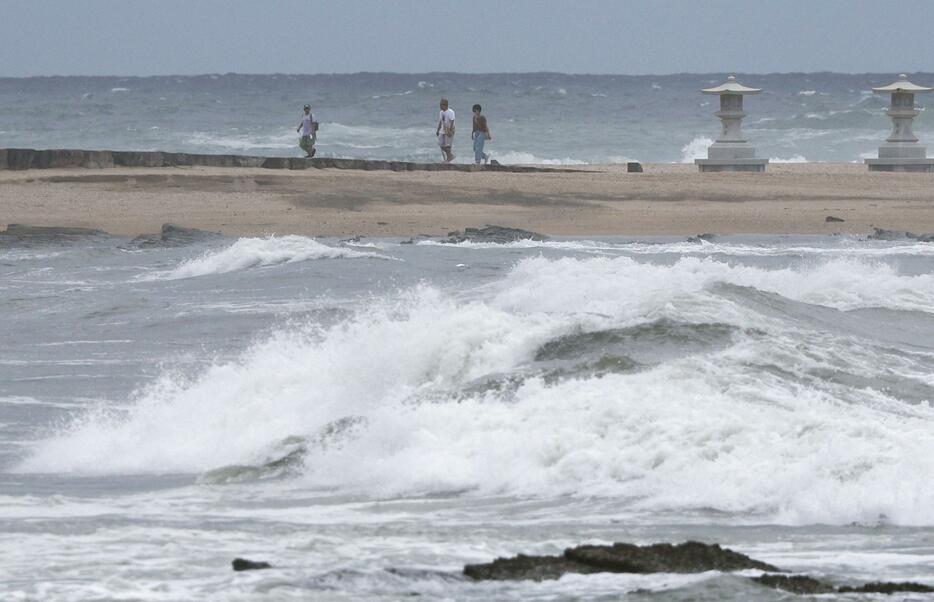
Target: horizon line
<point x="458" y="73"/>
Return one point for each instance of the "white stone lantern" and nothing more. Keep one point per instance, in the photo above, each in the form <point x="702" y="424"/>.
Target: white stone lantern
<point x="731" y="151"/>
<point x="901" y="151"/>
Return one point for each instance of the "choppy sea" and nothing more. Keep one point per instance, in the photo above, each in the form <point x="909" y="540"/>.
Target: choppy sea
<point x="368" y="417"/>
<point x="534" y="117"/>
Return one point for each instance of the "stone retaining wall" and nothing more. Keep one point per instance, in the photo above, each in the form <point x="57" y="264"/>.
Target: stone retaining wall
<point x="27" y="158"/>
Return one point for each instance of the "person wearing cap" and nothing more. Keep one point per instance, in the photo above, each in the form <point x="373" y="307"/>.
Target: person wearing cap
<point x="309" y="129"/>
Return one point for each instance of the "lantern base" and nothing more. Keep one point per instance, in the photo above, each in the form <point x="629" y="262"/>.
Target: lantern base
<point x="902" y="165"/>
<point x="710" y="165"/>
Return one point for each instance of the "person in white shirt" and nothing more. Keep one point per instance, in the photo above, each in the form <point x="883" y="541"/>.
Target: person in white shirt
<point x="445" y="130"/>
<point x="309" y="129"/>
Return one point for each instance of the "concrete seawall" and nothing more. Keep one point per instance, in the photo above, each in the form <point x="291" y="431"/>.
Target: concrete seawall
<point x="28" y="158"/>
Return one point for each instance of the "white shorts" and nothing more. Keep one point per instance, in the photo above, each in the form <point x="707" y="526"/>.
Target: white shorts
<point x="444" y="140"/>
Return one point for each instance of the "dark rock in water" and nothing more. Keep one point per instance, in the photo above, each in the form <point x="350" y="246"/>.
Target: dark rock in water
<point x="174" y="236"/>
<point x="688" y="557"/>
<point x="882" y="587"/>
<point x="634" y="167"/>
<point x="796" y="584"/>
<point x="882" y="234"/>
<point x="702" y="238"/>
<point x="23" y="235"/>
<point x="522" y="567"/>
<point x="242" y="564"/>
<point x="494" y="163"/>
<point x="493" y="234"/>
<point x="831" y="218"/>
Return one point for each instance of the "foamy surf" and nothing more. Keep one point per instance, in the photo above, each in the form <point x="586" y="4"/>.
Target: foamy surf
<point x="259" y="252"/>
<point x="604" y="377"/>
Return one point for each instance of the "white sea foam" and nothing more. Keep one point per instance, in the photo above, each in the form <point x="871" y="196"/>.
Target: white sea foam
<point x="524" y="158"/>
<point x="792" y="159"/>
<point x="252" y="252"/>
<point x="243" y="142"/>
<point x="807" y="92"/>
<point x="695" y="149"/>
<point x="743" y="429"/>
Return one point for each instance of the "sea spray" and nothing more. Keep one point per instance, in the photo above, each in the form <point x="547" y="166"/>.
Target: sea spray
<point x="779" y="419"/>
<point x="250" y="252"/>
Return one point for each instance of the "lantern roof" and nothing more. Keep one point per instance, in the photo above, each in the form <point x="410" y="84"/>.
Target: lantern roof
<point x="731" y="86"/>
<point x="902" y="85"/>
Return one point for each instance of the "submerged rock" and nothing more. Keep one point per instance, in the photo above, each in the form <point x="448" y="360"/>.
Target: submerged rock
<point x="242" y="564"/>
<point x="21" y="234"/>
<point x="688" y="557"/>
<point x="883" y="234"/>
<point x="707" y="237"/>
<point x="886" y="587"/>
<point x="804" y="585"/>
<point x="493" y="234"/>
<point x="796" y="584"/>
<point x="174" y="236"/>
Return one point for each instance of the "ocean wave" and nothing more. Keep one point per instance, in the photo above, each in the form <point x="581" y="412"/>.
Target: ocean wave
<point x="253" y="252"/>
<point x="442" y="389"/>
<point x="695" y="149"/>
<point x="243" y="142"/>
<point x="524" y="158"/>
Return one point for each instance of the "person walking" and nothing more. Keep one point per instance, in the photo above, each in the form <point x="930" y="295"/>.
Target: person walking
<point x="309" y="129"/>
<point x="445" y="130"/>
<point x="480" y="134"/>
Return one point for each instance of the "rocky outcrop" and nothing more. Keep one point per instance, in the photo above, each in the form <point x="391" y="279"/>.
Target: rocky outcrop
<point x="804" y="585"/>
<point x="27" y="158"/>
<point x="886" y="587"/>
<point x="242" y="564"/>
<point x="688" y="557"/>
<point x="796" y="584"/>
<point x="702" y="238"/>
<point x="23" y="235"/>
<point x="882" y="234"/>
<point x="174" y="236"/>
<point x="493" y="234"/>
<point x="633" y="167"/>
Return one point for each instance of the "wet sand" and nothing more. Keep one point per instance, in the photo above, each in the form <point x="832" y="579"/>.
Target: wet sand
<point x="597" y="201"/>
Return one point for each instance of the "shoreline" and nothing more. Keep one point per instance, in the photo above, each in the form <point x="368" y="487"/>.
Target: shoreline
<point x="595" y="200"/>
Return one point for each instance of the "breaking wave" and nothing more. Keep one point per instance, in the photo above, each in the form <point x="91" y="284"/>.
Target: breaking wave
<point x="694" y="385"/>
<point x="253" y="252"/>
<point x="695" y="149"/>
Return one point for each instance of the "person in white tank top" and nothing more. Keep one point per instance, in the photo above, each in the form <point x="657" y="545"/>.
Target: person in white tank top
<point x="445" y="130"/>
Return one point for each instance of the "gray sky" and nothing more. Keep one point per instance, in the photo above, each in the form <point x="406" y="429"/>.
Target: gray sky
<point x="134" y="37"/>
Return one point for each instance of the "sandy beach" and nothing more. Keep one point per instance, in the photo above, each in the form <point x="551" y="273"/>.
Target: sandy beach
<point x="596" y="201"/>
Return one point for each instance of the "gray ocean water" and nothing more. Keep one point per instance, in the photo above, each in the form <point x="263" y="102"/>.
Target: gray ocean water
<point x="534" y="117"/>
<point x="370" y="417"/>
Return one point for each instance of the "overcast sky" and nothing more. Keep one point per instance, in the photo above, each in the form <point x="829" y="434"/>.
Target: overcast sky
<point x="135" y="37"/>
